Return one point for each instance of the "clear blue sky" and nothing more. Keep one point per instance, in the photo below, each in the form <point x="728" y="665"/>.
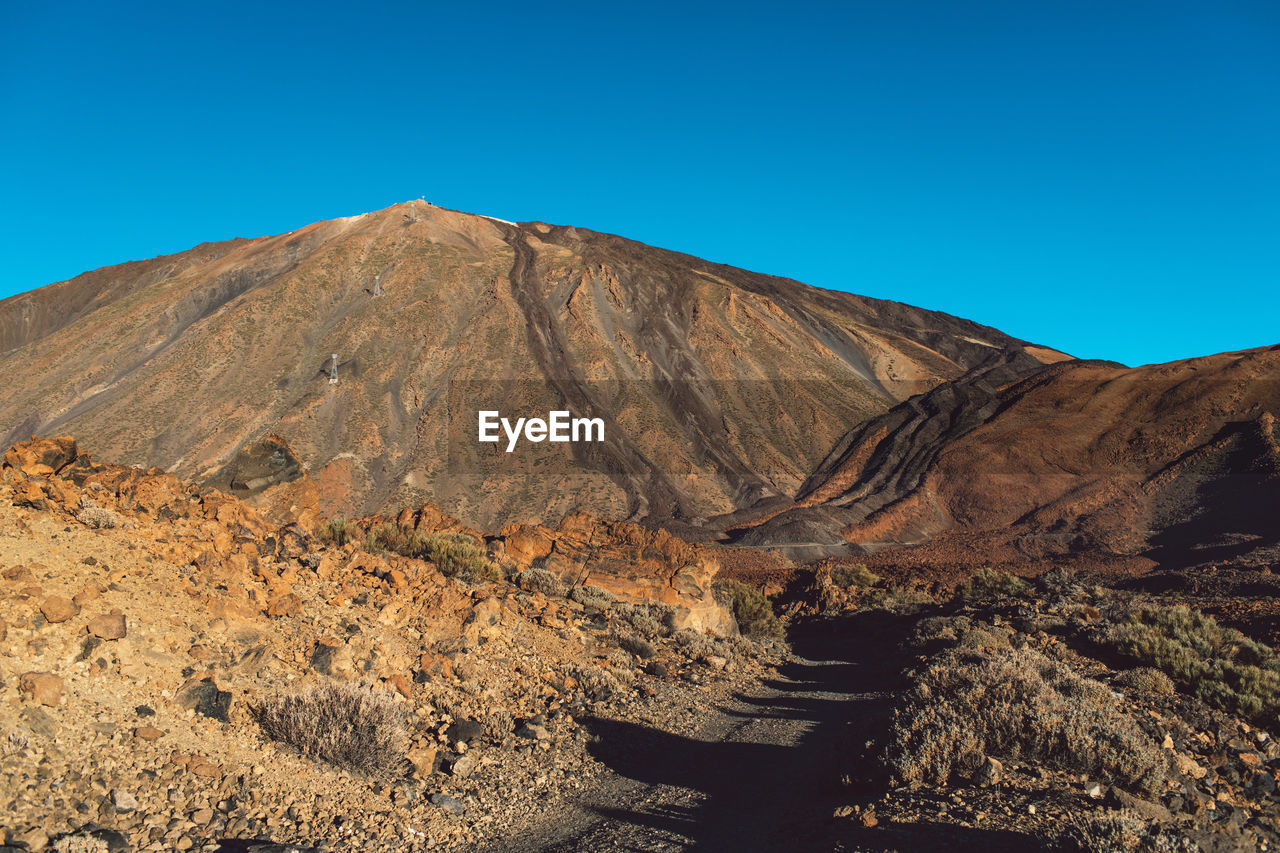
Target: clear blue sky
<point x="1102" y="177"/>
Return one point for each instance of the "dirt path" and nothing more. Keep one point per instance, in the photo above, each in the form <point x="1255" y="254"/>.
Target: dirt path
<point x="762" y="773"/>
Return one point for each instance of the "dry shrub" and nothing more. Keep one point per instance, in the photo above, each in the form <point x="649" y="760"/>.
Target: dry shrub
<point x="1145" y="679"/>
<point x="1220" y="665"/>
<point x="99" y="518"/>
<point x="593" y="598"/>
<point x="1015" y="703"/>
<point x="1114" y="832"/>
<point x="543" y="581"/>
<point x="81" y="842"/>
<point x="349" y="727"/>
<point x="638" y="646"/>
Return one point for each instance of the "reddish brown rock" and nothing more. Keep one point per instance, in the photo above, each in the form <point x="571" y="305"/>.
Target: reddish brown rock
<point x="41" y="457"/>
<point x="109" y="626"/>
<point x="284" y="605"/>
<point x="57" y="609"/>
<point x="91" y="592"/>
<point x="42" y="687"/>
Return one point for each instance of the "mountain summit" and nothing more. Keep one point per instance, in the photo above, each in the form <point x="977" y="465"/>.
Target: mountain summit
<point x="719" y="389"/>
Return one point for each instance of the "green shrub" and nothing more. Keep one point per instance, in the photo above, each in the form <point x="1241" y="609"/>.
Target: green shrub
<point x="454" y="554"/>
<point x="1015" y="703"/>
<point x="752" y="609"/>
<point x="1220" y="665"/>
<point x="339" y="531"/>
<point x="854" y="575"/>
<point x="348" y="727"/>
<point x="901" y="599"/>
<point x="989" y="584"/>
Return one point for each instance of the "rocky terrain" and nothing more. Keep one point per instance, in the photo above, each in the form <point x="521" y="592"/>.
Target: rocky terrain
<point x="224" y="354"/>
<point x="586" y="687"/>
<point x="144" y="623"/>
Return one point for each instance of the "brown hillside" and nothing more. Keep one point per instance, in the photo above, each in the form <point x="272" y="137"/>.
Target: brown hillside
<point x="719" y="388"/>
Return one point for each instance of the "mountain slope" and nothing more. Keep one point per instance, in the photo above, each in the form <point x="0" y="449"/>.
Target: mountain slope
<point x="1177" y="463"/>
<point x="719" y="388"/>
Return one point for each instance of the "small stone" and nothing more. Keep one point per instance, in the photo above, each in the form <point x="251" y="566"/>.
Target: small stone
<point x="57" y="609"/>
<point x="423" y="760"/>
<point x="1093" y="790"/>
<point x="869" y="818"/>
<point x="109" y="626"/>
<point x="4" y="630"/>
<point x="285" y="605"/>
<point x="148" y="733"/>
<point x="447" y="804"/>
<point x="1149" y="810"/>
<point x="991" y="772"/>
<point x="715" y="661"/>
<point x="464" y="731"/>
<point x="842" y="812"/>
<point x="1167" y="743"/>
<point x="124" y="801"/>
<point x="207" y="769"/>
<point x="202" y="816"/>
<point x="42" y="687"/>
<point x="464" y="766"/>
<point x="1187" y="767"/>
<point x="35" y="839"/>
<point x="533" y="731"/>
<point x="91" y="592"/>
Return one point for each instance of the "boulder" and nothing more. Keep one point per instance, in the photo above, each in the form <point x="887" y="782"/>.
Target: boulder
<point x="42" y="687"/>
<point x="109" y="626"/>
<point x="58" y="609"/>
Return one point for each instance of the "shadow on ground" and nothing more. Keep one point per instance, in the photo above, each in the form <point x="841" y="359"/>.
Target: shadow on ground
<point x="787" y="762"/>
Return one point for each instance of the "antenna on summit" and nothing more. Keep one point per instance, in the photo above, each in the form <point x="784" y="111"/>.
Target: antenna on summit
<point x="333" y="371"/>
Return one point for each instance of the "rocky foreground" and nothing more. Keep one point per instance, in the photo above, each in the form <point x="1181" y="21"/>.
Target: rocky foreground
<point x="584" y="688"/>
<point x="145" y="622"/>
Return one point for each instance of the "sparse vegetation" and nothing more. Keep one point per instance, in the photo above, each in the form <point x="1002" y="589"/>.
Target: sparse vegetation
<point x="1220" y="665"/>
<point x="1146" y="679"/>
<point x="339" y="531"/>
<point x="593" y="597"/>
<point x="988" y="584"/>
<point x="1015" y="703"/>
<point x="1115" y="832"/>
<point x="854" y="575"/>
<point x="349" y="727"/>
<point x="81" y="842"/>
<point x="752" y="609"/>
<point x="637" y="646"/>
<point x="541" y="580"/>
<point x="454" y="554"/>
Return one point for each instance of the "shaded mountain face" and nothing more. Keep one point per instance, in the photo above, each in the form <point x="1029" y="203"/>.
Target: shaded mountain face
<point x="719" y="389"/>
<point x="1176" y="464"/>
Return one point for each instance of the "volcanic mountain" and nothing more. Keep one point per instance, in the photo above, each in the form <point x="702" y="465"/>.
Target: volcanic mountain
<point x="1080" y="462"/>
<point x="720" y="389"/>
